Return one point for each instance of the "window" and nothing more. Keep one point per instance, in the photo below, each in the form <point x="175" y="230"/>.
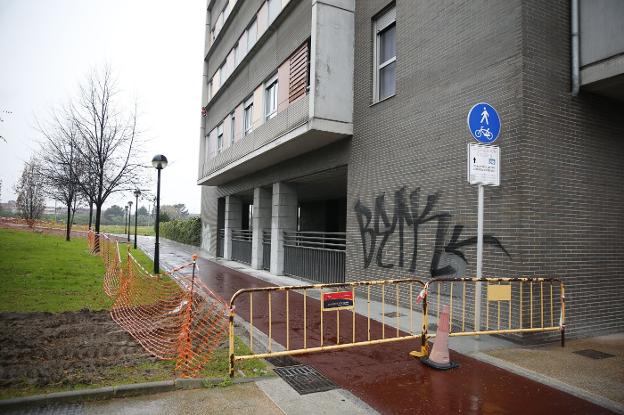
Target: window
<point x="232" y="127"/>
<point x="248" y="115"/>
<point x="219" y="24"/>
<point x="241" y="49"/>
<point x="252" y="32"/>
<point x="270" y="98"/>
<point x="385" y="55"/>
<point x="220" y="138"/>
<point x="275" y="6"/>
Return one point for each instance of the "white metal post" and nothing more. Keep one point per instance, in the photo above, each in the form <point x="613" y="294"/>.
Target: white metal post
<point x="479" y="259"/>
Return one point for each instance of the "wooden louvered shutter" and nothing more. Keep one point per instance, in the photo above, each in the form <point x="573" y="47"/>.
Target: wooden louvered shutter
<point x="299" y="68"/>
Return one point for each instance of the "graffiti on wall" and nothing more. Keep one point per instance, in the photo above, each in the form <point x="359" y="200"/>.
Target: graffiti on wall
<point x="408" y="217"/>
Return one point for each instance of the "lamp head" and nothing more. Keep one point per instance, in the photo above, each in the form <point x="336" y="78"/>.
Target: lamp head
<point x="159" y="161"/>
<point x="137" y="193"/>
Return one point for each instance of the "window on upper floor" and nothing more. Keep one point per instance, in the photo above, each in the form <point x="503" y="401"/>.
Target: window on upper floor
<point x="384" y="75"/>
<point x="248" y="115"/>
<point x="270" y="98"/>
<point x="232" y="127"/>
<point x="219" y="24"/>
<point x="219" y="76"/>
<point x="275" y="6"/>
<point x="252" y="33"/>
<point x="220" y="138"/>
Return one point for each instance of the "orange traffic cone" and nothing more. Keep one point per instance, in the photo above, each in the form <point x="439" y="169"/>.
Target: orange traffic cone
<point x="439" y="356"/>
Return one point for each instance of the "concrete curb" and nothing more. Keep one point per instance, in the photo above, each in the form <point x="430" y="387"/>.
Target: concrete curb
<point x="121" y="391"/>
<point x="554" y="383"/>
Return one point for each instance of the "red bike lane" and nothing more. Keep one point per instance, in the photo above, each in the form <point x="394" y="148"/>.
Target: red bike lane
<point x="384" y="376"/>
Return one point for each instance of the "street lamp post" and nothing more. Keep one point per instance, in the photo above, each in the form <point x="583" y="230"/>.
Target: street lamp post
<point x="125" y="219"/>
<point x="137" y="193"/>
<point x="159" y="162"/>
<point x="129" y="217"/>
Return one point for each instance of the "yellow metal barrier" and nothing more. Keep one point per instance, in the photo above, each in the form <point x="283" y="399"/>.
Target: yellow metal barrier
<point x="510" y="305"/>
<point x="323" y="317"/>
<point x="311" y="318"/>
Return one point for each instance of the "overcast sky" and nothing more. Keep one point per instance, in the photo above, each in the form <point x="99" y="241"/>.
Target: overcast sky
<point x="155" y="48"/>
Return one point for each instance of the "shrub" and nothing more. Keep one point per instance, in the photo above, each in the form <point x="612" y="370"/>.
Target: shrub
<point x="186" y="231"/>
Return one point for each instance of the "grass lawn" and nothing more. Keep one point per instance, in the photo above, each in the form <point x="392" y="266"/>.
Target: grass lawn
<point x="44" y="273"/>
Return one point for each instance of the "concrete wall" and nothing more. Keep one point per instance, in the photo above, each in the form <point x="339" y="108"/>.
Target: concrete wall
<point x="601" y="29"/>
<point x="331" y="60"/>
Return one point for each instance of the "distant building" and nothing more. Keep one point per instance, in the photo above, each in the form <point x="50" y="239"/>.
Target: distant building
<point x="334" y="133"/>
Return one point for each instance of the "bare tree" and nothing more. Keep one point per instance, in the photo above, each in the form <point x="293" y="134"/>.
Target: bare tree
<point x="30" y="192"/>
<point x="107" y="141"/>
<point x="60" y="165"/>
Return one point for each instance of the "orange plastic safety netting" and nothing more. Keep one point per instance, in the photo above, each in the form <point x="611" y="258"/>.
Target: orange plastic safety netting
<point x="173" y="316"/>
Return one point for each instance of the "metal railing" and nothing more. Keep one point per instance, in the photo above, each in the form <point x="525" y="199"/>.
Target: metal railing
<point x="241" y="245"/>
<point x="318" y="256"/>
<point x="266" y="249"/>
<point x="220" y="242"/>
<point x="510" y="305"/>
<point x="294" y="317"/>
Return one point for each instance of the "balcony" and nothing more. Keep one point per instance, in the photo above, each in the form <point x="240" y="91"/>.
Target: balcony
<point x="307" y="118"/>
<point x="602" y="47"/>
<point x="289" y="134"/>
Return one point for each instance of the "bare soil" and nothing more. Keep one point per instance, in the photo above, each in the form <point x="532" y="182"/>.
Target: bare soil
<point x="43" y="350"/>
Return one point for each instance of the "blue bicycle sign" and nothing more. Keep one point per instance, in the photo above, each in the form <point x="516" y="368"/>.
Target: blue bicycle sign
<point x="484" y="123"/>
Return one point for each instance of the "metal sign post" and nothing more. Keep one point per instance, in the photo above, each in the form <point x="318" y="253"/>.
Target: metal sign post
<point x="483" y="169"/>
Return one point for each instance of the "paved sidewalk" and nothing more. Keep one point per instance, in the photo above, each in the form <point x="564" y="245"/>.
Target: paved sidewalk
<point x="384" y="376"/>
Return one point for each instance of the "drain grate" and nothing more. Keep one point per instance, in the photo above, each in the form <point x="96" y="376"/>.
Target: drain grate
<point x="282" y="361"/>
<point x="393" y="314"/>
<point x="594" y="354"/>
<point x="305" y="379"/>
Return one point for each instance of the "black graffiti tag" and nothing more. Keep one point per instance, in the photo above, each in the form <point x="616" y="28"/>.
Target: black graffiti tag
<point x="377" y="227"/>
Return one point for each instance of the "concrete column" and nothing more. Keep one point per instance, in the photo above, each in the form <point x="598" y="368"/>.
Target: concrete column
<point x="233" y="220"/>
<point x="283" y="218"/>
<point x="209" y="212"/>
<point x="261" y="220"/>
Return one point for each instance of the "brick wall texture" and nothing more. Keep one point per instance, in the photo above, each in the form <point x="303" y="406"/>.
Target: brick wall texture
<point x="558" y="211"/>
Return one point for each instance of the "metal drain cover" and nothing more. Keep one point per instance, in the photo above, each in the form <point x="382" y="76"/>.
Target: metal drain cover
<point x="594" y="354"/>
<point x="305" y="379"/>
<point x="393" y="314"/>
<point x="282" y="361"/>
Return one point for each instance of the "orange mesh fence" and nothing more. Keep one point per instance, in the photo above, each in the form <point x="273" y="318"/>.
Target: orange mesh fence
<point x="174" y="317"/>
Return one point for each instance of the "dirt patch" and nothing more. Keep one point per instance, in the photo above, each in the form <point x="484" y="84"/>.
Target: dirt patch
<point x="43" y="350"/>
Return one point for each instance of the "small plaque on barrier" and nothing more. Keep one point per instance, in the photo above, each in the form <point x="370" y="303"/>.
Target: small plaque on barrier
<point x="499" y="292"/>
<point x="340" y="300"/>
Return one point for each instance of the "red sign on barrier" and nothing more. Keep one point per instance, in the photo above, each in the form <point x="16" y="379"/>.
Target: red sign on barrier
<point x="340" y="300"/>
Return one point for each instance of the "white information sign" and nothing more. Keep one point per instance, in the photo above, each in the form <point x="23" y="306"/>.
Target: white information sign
<point x="483" y="164"/>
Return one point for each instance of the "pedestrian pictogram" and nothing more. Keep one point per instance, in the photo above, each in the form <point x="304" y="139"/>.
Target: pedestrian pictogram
<point x="484" y="123"/>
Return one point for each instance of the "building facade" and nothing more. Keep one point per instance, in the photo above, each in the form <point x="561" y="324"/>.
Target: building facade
<point x="333" y="141"/>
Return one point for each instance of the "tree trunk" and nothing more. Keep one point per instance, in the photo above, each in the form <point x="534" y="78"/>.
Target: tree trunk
<point x="68" y="227"/>
<point x="90" y="213"/>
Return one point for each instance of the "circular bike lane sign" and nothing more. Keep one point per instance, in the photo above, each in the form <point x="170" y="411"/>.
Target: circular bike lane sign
<point x="484" y="123"/>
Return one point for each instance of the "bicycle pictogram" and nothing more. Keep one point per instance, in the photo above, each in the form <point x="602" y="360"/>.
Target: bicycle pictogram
<point x="485" y="132"/>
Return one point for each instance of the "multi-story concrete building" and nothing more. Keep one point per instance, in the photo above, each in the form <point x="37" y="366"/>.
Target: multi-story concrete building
<point x="333" y="141"/>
